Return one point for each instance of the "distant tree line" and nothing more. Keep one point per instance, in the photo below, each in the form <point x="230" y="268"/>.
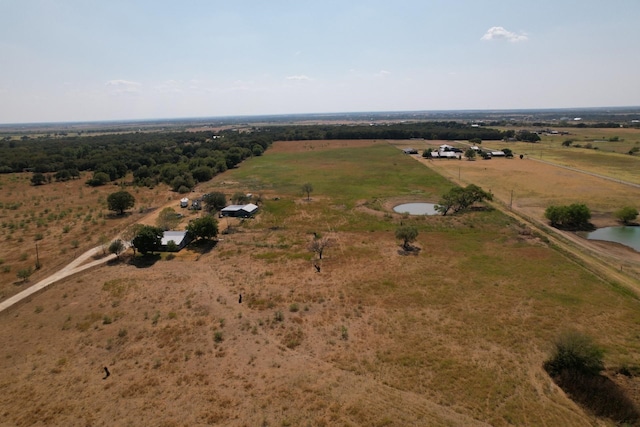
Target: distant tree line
<point x="179" y="159"/>
<point x="182" y="159"/>
<point x="449" y="130"/>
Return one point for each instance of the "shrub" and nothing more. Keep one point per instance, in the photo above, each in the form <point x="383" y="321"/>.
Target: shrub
<point x="626" y="214"/>
<point x="575" y="352"/>
<point x="25" y="273"/>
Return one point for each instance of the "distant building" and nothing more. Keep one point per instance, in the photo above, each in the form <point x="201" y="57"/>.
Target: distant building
<point x="239" y="211"/>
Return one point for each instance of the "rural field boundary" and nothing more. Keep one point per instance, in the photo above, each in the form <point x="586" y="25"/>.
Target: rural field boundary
<point x="619" y="181"/>
<point x="597" y="262"/>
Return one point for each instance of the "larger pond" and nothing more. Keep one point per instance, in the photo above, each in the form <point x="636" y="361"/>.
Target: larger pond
<point x="628" y="236"/>
<point x="416" y="208"/>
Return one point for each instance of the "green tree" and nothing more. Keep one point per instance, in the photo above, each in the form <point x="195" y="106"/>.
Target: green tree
<point x="257" y="150"/>
<point x="116" y="247"/>
<point x="508" y="153"/>
<point x="202" y="173"/>
<point x="98" y="179"/>
<point x="203" y="228"/>
<point x="38" y="178"/>
<point x="215" y="201"/>
<point x="626" y="214"/>
<point x="172" y="246"/>
<point x="573" y="217"/>
<point x="575" y="352"/>
<point x="470" y="154"/>
<point x="459" y="199"/>
<point x="62" y="175"/>
<point x="183" y="183"/>
<point x="120" y="201"/>
<point x="25" y="273"/>
<point x="307" y="188"/>
<point x="408" y="234"/>
<point x="148" y="239"/>
<point x="526" y="136"/>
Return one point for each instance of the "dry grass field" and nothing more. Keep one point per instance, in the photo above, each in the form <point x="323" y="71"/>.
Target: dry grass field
<point x="531" y="184"/>
<point x="454" y="334"/>
<point x="63" y="219"/>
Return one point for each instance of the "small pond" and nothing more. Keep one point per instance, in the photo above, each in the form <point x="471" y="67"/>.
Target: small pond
<point x="416" y="208"/>
<point x="628" y="236"/>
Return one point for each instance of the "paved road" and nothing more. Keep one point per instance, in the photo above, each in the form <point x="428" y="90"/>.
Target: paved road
<point x="76" y="266"/>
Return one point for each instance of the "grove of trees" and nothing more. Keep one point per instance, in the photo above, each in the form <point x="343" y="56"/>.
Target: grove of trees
<point x="572" y="217"/>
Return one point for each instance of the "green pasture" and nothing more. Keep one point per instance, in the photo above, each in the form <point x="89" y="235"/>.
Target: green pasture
<point x="468" y="318"/>
<point x="341" y="179"/>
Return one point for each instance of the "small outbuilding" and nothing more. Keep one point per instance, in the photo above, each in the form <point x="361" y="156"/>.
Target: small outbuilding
<point x="239" y="211"/>
<point x="184" y="202"/>
<point x="180" y="238"/>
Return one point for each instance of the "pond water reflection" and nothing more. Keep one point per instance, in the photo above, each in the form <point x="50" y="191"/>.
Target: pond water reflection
<point x="416" y="208"/>
<point x="625" y="235"/>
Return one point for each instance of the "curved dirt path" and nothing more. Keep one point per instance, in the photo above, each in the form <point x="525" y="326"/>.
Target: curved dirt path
<point x="75" y="266"/>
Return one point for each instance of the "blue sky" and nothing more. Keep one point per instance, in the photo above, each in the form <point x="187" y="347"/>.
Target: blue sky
<point x="79" y="60"/>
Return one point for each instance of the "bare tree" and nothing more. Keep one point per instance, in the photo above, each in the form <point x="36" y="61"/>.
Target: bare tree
<point x="307" y="188"/>
<point x="319" y="244"/>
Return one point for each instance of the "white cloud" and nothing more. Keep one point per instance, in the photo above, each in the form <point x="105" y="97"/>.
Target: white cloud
<point x="170" y="86"/>
<point x="299" y="78"/>
<point x="383" y="73"/>
<point x="124" y="86"/>
<point x="500" y="33"/>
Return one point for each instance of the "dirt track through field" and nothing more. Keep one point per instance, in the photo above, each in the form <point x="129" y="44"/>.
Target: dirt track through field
<point x="76" y="266"/>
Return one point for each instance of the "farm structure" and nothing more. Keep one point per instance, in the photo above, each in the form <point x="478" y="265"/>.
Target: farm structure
<point x="180" y="238"/>
<point x="239" y="211"/>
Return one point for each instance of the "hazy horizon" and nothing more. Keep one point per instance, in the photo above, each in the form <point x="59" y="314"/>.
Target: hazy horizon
<point x="78" y="61"/>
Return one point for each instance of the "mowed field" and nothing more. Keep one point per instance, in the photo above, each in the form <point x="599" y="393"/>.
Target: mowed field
<point x="453" y="334"/>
